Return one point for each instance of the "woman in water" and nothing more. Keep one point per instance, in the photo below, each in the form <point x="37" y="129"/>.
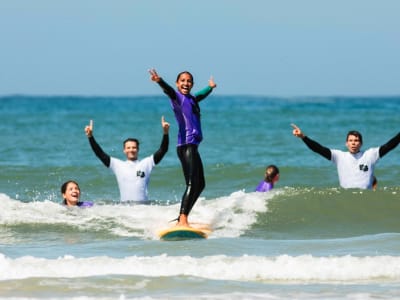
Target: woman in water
<point x="271" y="176"/>
<point x="71" y="192"/>
<point x="187" y="113"/>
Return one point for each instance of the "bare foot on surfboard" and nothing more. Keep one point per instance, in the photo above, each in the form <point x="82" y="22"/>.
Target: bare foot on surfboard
<point x="183" y="221"/>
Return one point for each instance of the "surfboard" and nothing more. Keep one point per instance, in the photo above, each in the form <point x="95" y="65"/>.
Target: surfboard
<point x="177" y="233"/>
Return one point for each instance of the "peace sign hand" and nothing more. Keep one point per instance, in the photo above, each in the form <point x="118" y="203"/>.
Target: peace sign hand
<point x="154" y="76"/>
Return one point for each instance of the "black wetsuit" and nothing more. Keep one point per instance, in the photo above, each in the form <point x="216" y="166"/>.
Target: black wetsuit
<point x="192" y="167"/>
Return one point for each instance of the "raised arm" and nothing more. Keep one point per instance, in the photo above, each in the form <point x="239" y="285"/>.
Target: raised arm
<point x="313" y="145"/>
<point x="105" y="158"/>
<point x="200" y="95"/>
<point x="159" y="154"/>
<point x="389" y="146"/>
<point x="167" y="89"/>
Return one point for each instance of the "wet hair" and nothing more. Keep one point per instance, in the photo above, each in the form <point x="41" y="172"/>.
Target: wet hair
<point x="356" y="134"/>
<point x="271" y="172"/>
<point x="131" y="140"/>
<point x="64" y="187"/>
<point x="184" y="72"/>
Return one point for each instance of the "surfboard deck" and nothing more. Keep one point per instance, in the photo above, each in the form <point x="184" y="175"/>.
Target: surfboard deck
<point x="177" y="233"/>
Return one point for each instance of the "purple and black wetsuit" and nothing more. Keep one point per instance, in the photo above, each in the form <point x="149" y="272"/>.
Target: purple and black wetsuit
<point x="187" y="115"/>
<point x="82" y="203"/>
<point x="264" y="186"/>
<point x="85" y="204"/>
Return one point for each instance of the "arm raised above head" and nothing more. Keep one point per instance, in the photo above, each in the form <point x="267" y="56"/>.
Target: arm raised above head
<point x="202" y="94"/>
<point x="104" y="157"/>
<point x="313" y="145"/>
<point x="159" y="154"/>
<point x="167" y="89"/>
<point x="389" y="146"/>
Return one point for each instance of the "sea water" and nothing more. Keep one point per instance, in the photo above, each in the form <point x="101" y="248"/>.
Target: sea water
<point x="306" y="239"/>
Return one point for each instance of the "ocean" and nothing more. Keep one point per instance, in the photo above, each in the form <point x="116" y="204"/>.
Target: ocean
<point x="306" y="239"/>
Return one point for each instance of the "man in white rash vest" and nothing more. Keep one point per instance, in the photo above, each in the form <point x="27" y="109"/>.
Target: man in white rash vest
<point x="133" y="175"/>
<point x="355" y="167"/>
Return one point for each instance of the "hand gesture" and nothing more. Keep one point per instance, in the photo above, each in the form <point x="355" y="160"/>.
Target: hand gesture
<point x="297" y="131"/>
<point x="211" y="82"/>
<point x="89" y="129"/>
<point x="154" y="76"/>
<point x="165" y="125"/>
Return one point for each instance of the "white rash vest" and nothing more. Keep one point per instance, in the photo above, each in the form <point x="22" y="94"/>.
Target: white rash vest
<point x="133" y="178"/>
<point x="355" y="170"/>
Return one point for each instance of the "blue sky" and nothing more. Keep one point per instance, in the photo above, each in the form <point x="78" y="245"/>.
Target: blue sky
<point x="260" y="47"/>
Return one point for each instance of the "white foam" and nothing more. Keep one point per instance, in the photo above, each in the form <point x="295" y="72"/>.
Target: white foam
<point x="283" y="268"/>
<point x="230" y="216"/>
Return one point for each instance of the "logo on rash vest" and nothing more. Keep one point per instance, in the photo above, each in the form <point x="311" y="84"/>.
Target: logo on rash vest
<point x="140" y="174"/>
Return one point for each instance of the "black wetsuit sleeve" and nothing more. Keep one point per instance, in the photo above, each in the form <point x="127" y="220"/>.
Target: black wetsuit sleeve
<point x="167" y="89"/>
<point x="318" y="148"/>
<point x="200" y="95"/>
<point x="159" y="154"/>
<point x="389" y="146"/>
<point x="104" y="157"/>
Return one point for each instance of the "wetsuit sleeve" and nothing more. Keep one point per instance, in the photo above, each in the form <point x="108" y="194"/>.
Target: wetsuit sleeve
<point x="104" y="157"/>
<point x="318" y="148"/>
<point x="159" y="154"/>
<point x="200" y="95"/>
<point x="389" y="146"/>
<point x="167" y="89"/>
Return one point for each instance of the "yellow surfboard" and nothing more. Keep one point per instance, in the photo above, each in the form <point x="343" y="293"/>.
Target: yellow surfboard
<point x="176" y="233"/>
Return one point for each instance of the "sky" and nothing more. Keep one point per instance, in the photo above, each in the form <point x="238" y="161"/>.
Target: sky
<point x="253" y="47"/>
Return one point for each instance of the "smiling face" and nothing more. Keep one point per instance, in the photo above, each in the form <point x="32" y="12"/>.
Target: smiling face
<point x="71" y="194"/>
<point x="131" y="150"/>
<point x="184" y="83"/>
<point x="353" y="144"/>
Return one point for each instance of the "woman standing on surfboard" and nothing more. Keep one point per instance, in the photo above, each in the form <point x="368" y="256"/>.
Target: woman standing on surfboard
<point x="187" y="114"/>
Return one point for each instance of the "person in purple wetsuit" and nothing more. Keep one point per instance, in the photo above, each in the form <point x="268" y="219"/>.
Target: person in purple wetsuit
<point x="71" y="192"/>
<point x="271" y="176"/>
<point x="187" y="113"/>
